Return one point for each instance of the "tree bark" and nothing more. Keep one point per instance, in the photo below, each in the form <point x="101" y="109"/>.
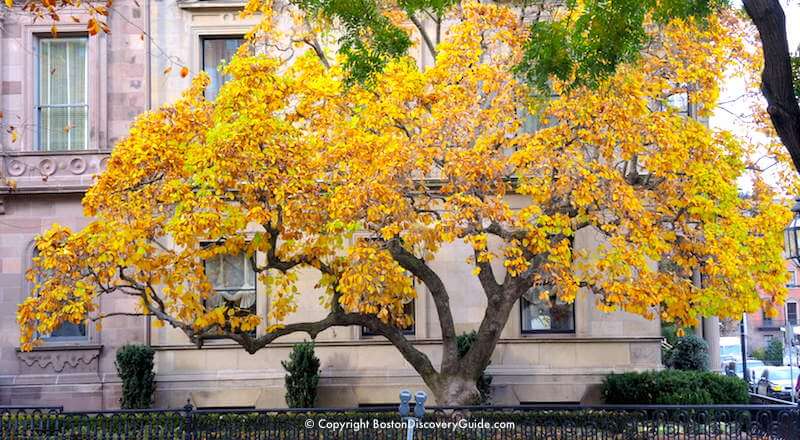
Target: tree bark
<point x="776" y="79"/>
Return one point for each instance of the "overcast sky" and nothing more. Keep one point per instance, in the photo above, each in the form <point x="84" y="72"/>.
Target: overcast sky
<point x="732" y="107"/>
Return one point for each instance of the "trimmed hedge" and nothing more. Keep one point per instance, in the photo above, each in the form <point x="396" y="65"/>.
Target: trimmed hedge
<point x="689" y="353"/>
<point x="135" y="368"/>
<point x="303" y="376"/>
<point x="674" y="387"/>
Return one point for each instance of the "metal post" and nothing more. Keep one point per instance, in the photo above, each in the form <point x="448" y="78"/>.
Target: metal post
<point x="743" y="334"/>
<point x="405" y="410"/>
<point x="188" y="426"/>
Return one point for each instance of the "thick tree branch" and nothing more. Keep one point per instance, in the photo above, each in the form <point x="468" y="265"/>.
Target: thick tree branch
<point x="425" y="37"/>
<point x="776" y="79"/>
<point x="441" y="299"/>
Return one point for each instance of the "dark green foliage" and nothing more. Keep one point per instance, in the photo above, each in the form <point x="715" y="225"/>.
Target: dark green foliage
<point x="689" y="353"/>
<point x="670" y="334"/>
<point x="796" y="74"/>
<point x="759" y="353"/>
<point x="370" y="40"/>
<point x="606" y="34"/>
<point x="135" y="368"/>
<point x="546" y="53"/>
<point x="464" y="341"/>
<point x="673" y="387"/>
<point x="303" y="376"/>
<point x="773" y="354"/>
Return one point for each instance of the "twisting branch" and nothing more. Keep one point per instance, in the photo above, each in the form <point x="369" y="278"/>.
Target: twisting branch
<point x="425" y="37"/>
<point x="441" y="299"/>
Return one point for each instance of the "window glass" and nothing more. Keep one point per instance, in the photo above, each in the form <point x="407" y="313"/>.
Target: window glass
<point x="216" y="52"/>
<point x="62" y="107"/>
<point x="409" y="309"/>
<point x="67" y="331"/>
<point x="680" y="102"/>
<point x="542" y="311"/>
<point x="791" y="313"/>
<point x="234" y="281"/>
<point x="792" y="279"/>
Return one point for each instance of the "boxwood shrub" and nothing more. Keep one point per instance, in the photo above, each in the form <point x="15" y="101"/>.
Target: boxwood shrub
<point x="674" y="387"/>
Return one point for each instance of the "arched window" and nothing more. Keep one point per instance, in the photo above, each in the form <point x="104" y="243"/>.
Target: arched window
<point x="67" y="331"/>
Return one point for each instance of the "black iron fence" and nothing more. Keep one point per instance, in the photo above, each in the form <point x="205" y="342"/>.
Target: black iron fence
<point x="719" y="422"/>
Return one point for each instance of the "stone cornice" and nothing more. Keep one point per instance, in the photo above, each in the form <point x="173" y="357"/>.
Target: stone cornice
<point x="45" y="172"/>
<point x="531" y="339"/>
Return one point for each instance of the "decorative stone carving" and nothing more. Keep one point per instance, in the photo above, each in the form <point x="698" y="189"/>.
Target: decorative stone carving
<point x="59" y="360"/>
<point x="48" y="167"/>
<point x="77" y="165"/>
<point x="16" y="167"/>
<point x="65" y="170"/>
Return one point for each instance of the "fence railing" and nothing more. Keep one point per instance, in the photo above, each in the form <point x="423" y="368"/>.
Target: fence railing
<point x="719" y="422"/>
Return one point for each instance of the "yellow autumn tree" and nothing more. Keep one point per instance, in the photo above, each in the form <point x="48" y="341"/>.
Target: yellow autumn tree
<point x="366" y="182"/>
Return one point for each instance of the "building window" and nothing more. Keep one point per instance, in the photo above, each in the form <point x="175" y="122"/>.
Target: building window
<point x="409" y="309"/>
<point x="234" y="280"/>
<point x="62" y="109"/>
<point x="792" y="279"/>
<point x="680" y="102"/>
<point x="791" y="312"/>
<point x="217" y="51"/>
<point x="67" y="331"/>
<point x="766" y="319"/>
<point x="545" y="315"/>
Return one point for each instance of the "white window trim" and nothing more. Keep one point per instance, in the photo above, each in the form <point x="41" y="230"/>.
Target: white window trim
<point x="91" y="338"/>
<point x="97" y="123"/>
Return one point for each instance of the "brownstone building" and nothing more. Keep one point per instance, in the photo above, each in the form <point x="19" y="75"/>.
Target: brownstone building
<point x="71" y="98"/>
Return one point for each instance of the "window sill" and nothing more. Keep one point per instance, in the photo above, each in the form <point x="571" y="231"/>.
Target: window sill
<point x="211" y="4"/>
<point x="64" y="346"/>
<point x="548" y="333"/>
<point x="54" y="153"/>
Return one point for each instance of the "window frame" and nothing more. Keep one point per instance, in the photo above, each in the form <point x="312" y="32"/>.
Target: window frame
<point x="38" y="107"/>
<point x="410" y="331"/>
<point x="545" y="332"/>
<point x="214" y="36"/>
<point x="50" y="340"/>
<point x="97" y="87"/>
<point x="788" y="314"/>
<point x="254" y="332"/>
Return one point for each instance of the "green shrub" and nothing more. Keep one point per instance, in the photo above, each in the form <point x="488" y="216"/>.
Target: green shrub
<point x="759" y="353"/>
<point x="689" y="353"/>
<point x="774" y="352"/>
<point x="670" y="333"/>
<point x="303" y="376"/>
<point x="135" y="368"/>
<point x="674" y="387"/>
<point x="464" y="341"/>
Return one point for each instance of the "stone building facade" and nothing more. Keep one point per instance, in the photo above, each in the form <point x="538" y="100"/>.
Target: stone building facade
<point x="546" y="354"/>
<point x="68" y="99"/>
<point x="761" y="329"/>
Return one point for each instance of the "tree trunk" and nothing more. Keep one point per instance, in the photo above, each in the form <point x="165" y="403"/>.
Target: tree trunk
<point x="455" y="390"/>
<point x="776" y="79"/>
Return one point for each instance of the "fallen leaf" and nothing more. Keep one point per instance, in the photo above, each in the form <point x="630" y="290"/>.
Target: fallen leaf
<point x="184" y="71"/>
<point x="92" y="26"/>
